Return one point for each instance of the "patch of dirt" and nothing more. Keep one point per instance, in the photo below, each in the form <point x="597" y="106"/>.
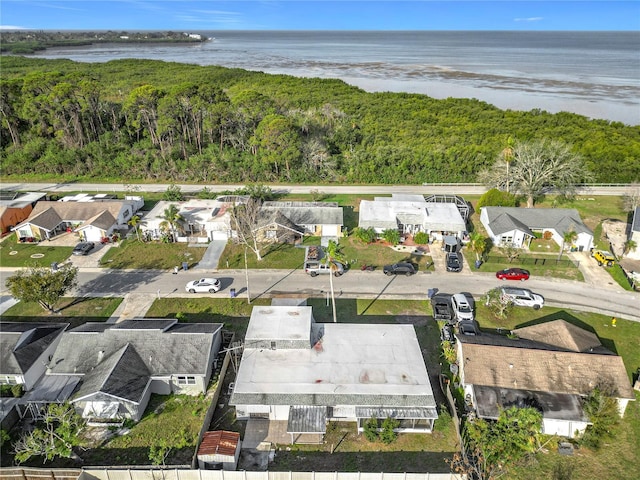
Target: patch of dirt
<point x="415" y="320"/>
<point x="616" y="233"/>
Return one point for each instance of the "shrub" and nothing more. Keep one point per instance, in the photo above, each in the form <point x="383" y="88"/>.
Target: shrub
<point x="173" y="193"/>
<point x="392" y="236"/>
<point x="371" y="429"/>
<point x="497" y="198"/>
<point x="366" y="235"/>
<point x="388" y="434"/>
<point x="421" y="238"/>
<point x="17" y="390"/>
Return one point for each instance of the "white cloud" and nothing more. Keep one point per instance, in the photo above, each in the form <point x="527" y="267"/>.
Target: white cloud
<point x="12" y="27"/>
<point x="528" y="19"/>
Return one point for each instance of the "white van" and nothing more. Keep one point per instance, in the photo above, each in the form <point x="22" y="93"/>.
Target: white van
<point x="521" y="297"/>
<point x="462" y="308"/>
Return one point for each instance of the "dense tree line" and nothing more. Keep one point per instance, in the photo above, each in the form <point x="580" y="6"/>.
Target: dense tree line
<point x="150" y="120"/>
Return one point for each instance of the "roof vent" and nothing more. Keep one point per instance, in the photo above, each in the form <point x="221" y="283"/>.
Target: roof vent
<point x="100" y="355"/>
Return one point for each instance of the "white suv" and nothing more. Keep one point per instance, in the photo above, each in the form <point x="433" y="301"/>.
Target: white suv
<point x="521" y="297"/>
<point x="462" y="308"/>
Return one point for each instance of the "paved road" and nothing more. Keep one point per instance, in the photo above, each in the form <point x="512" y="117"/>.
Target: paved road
<point x="606" y="299"/>
<point x="439" y="188"/>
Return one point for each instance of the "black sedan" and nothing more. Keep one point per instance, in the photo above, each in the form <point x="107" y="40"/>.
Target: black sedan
<point x="454" y="262"/>
<point x="402" y="268"/>
<point x="83" y="248"/>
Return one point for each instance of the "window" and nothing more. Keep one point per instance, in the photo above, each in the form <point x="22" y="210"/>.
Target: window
<point x="185" y="380"/>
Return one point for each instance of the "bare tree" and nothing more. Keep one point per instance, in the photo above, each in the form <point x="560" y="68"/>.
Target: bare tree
<point x="536" y="167"/>
<point x="244" y="222"/>
<point x="631" y="197"/>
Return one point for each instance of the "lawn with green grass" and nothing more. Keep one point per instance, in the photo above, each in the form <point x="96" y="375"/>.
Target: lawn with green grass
<point x="74" y="311"/>
<point x="14" y="254"/>
<point x="495" y="263"/>
<point x="173" y="419"/>
<point x="151" y="255"/>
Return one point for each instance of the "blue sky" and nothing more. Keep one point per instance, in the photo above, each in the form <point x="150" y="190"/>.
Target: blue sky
<point x="190" y="15"/>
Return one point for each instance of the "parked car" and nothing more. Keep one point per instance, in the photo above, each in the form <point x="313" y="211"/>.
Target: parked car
<point x="203" y="285"/>
<point x="603" y="257"/>
<point x="316" y="268"/>
<point x="454" y="262"/>
<point x="468" y="327"/>
<point x="83" y="248"/>
<point x="402" y="268"/>
<point x="521" y="297"/>
<point x="446" y="334"/>
<point x="513" y="274"/>
<point x="462" y="307"/>
<point x="441" y="305"/>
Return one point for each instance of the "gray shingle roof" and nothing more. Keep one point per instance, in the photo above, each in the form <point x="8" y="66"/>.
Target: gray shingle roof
<point x="331" y="400"/>
<point x="123" y="375"/>
<point x="562" y="334"/>
<point x="174" y="351"/>
<point x="635" y="225"/>
<point x="559" y="219"/>
<point x="308" y="213"/>
<point x="48" y="215"/>
<point x="22" y="344"/>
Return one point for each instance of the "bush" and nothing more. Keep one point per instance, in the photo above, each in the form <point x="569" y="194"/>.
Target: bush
<point x="392" y="236"/>
<point x="173" y="193"/>
<point x="388" y="434"/>
<point x="17" y="390"/>
<point x="421" y="238"/>
<point x="366" y="235"/>
<point x="497" y="198"/>
<point x="371" y="429"/>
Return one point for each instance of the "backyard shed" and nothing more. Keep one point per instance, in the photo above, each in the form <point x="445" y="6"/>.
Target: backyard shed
<point x="219" y="450"/>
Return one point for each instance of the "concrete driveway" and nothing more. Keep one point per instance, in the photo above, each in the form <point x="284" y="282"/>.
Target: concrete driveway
<point x="593" y="274"/>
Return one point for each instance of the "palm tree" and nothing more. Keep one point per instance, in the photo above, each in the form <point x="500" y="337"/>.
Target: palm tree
<point x="477" y="244"/>
<point x="135" y="222"/>
<point x="333" y="255"/>
<point x="172" y="219"/>
<point x="568" y="237"/>
<point x="630" y="245"/>
<point x="507" y="156"/>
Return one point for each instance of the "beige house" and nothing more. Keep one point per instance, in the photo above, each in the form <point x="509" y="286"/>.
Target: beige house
<point x="551" y="366"/>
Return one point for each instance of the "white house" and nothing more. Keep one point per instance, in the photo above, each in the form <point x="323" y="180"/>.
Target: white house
<point x="634" y="235"/>
<point x="410" y="214"/>
<point x="551" y="366"/>
<point x="203" y="220"/>
<point x="298" y="219"/>
<point x="303" y="374"/>
<point x="517" y="226"/>
<point x="25" y="351"/>
<point x="118" y="366"/>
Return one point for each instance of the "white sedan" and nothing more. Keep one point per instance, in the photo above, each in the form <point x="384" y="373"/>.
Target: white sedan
<point x="203" y="285"/>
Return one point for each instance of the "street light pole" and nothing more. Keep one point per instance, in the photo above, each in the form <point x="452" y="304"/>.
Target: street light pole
<point x="246" y="274"/>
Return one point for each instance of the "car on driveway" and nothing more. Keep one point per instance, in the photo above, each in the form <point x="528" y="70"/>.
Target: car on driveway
<point x="203" y="285"/>
<point x="83" y="248"/>
<point x="453" y="261"/>
<point x="462" y="307"/>
<point x="513" y="274"/>
<point x="402" y="268"/>
<point x="468" y="327"/>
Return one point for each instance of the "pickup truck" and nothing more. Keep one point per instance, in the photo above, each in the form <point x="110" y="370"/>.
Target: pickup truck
<point x="441" y="304"/>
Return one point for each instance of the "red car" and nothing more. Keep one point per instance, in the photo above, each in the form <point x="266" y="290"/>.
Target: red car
<point x="513" y="274"/>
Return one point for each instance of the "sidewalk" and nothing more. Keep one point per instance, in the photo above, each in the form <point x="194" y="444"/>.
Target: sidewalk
<point x="133" y="305"/>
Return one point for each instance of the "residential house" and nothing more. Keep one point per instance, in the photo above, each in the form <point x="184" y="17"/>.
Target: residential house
<point x="280" y="221"/>
<point x="410" y="214"/>
<point x="219" y="450"/>
<point x="551" y="366"/>
<point x="304" y="374"/>
<point x="634" y="235"/>
<point x="517" y="226"/>
<point x="202" y="220"/>
<point x="26" y="349"/>
<point x="92" y="217"/>
<point x="15" y="207"/>
<point x="120" y="365"/>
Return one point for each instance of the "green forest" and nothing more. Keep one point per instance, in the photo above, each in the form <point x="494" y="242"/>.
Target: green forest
<point x="145" y="120"/>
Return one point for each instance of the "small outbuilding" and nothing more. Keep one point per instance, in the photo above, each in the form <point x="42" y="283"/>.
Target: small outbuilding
<point x="219" y="450"/>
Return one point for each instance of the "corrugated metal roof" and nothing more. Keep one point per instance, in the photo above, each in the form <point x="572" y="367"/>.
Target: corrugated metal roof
<point x="52" y="389"/>
<point x="219" y="442"/>
<point x="386" y="412"/>
<point x="307" y="419"/>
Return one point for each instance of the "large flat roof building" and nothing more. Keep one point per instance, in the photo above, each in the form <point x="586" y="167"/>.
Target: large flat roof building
<point x="306" y="373"/>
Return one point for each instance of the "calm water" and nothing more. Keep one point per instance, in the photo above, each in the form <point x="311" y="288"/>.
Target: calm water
<point x="596" y="74"/>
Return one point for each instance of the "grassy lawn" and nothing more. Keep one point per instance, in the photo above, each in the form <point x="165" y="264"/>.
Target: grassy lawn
<point x="152" y="255"/>
<point x="75" y="311"/>
<point x="549" y="269"/>
<point x="46" y="255"/>
<point x="173" y="417"/>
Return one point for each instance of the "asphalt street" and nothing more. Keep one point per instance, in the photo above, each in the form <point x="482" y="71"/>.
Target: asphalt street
<point x="606" y="299"/>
